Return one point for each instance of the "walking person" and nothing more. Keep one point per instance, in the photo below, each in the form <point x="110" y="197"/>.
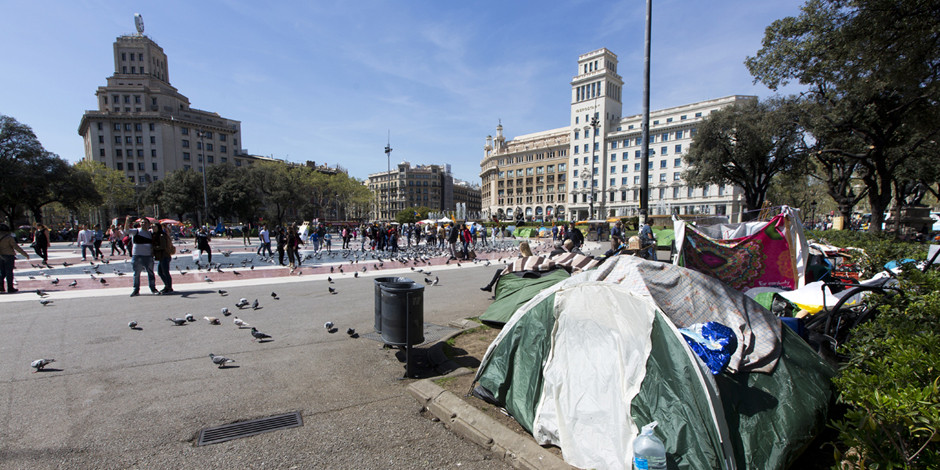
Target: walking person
<point x="202" y="243"/>
<point x="41" y="243"/>
<point x="452" y="238"/>
<point x="141" y="253"/>
<point x="86" y="239"/>
<point x="8" y="249"/>
<point x="99" y="237"/>
<point x="265" y="238"/>
<point x="647" y="242"/>
<point x="163" y="251"/>
<point x="328" y="240"/>
<point x="116" y="238"/>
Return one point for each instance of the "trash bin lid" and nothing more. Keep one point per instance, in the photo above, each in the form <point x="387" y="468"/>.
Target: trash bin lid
<point x="401" y="287"/>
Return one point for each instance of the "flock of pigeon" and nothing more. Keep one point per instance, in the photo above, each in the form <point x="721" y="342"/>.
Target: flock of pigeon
<point x="412" y="255"/>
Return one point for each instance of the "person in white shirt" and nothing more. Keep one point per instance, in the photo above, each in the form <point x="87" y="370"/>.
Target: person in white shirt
<point x="86" y="239"/>
<point x="142" y="253"/>
<point x="265" y="238"/>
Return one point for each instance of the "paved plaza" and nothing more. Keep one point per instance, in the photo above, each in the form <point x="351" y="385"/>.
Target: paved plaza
<point x="118" y="397"/>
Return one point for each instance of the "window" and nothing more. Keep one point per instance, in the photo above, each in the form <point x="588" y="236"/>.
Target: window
<point x="675" y="192"/>
<point x="119" y="166"/>
<point x="677" y="163"/>
<point x="562" y="167"/>
<point x="140" y="166"/>
<point x="624" y="168"/>
<point x="613" y="144"/>
<point x="662" y="164"/>
<point x="636" y="180"/>
<point x="99" y="124"/>
<point x="209" y="147"/>
<point x="662" y="177"/>
<point x="100" y="152"/>
<point x="682" y="118"/>
<point x="704" y="191"/>
<point x="127" y="139"/>
<point x="623" y="181"/>
<point x="117" y="139"/>
<point x="184" y="130"/>
<point x="140" y="153"/>
<point x="208" y="134"/>
<point x="130" y="177"/>
<point x="223" y="149"/>
<point x="613" y="157"/>
<point x="154" y="165"/>
<point x="576" y="150"/>
<point x="676" y="176"/>
<point x="577" y="135"/>
<point x="636" y="154"/>
<point x="679" y="135"/>
<point x="222" y="137"/>
<point x="585" y="148"/>
<point x="186" y="156"/>
<point x="118" y="153"/>
<point x="574" y="173"/>
<point x="691" y="191"/>
<point x="650" y="165"/>
<point x="185" y="144"/>
<point x="613" y="169"/>
<point x="665" y="136"/>
<point x="662" y="193"/>
<point x="127" y="100"/>
<point x="137" y="101"/>
<point x="210" y="159"/>
<point x="153" y="153"/>
<point x="100" y="139"/>
<point x="664" y="151"/>
<point x="678" y="148"/>
<point x="636" y="167"/>
<point x="139" y="140"/>
<point x="698" y="114"/>
<point x="153" y="140"/>
<point x="575" y="162"/>
<point x="613" y="181"/>
<point x="117" y="126"/>
<point x="596" y="146"/>
<point x="691" y="132"/>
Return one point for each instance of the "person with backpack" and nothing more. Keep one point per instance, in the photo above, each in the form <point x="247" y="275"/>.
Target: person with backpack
<point x="163" y="251"/>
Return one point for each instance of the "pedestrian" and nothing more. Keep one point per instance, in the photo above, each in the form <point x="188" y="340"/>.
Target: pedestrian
<point x="328" y="240"/>
<point x="647" y="241"/>
<point x="281" y="240"/>
<point x="467" y="238"/>
<point x="293" y="245"/>
<point x="86" y="239"/>
<point x="163" y="251"/>
<point x="345" y="235"/>
<point x="202" y="244"/>
<point x="616" y="236"/>
<point x="99" y="237"/>
<point x="315" y="240"/>
<point x="141" y="253"/>
<point x="554" y="233"/>
<point x="452" y="236"/>
<point x="246" y="233"/>
<point x="265" y="238"/>
<point x="483" y="231"/>
<point x="8" y="249"/>
<point x="41" y="243"/>
<point x="116" y="238"/>
<point x="574" y="234"/>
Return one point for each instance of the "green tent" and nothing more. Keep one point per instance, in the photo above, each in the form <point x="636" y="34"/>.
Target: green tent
<point x="594" y="357"/>
<point x="515" y="289"/>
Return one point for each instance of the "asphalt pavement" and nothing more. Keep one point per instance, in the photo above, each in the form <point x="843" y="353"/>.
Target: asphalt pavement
<point x="118" y="397"/>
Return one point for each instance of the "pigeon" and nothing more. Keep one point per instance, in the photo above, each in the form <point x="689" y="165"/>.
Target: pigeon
<point x="213" y="320"/>
<point x="428" y="281"/>
<point x="55" y="281"/>
<point x="332" y="290"/>
<point x="350" y="331"/>
<point x="239" y="323"/>
<point x="73" y="283"/>
<point x="356" y="274"/>
<point x="328" y="325"/>
<point x="41" y="293"/>
<point x="329" y="279"/>
<point x="236" y="273"/>
<point x="331" y="269"/>
<point x="38" y="364"/>
<point x="259" y="335"/>
<point x="207" y="279"/>
<point x="189" y="317"/>
<point x="225" y="311"/>
<point x="223" y="293"/>
<point x="274" y="296"/>
<point x="45" y="302"/>
<point x="255" y="305"/>
<point x="177" y="321"/>
<point x="132" y="325"/>
<point x="242" y="303"/>
<point x="220" y="361"/>
<point x="437" y="281"/>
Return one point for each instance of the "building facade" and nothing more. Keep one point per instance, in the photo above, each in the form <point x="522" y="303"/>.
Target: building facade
<point x="467" y="196"/>
<point x="405" y="186"/>
<point x="595" y="161"/>
<point x="146" y="128"/>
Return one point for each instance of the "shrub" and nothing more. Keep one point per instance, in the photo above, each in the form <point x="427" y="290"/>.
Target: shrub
<point x="879" y="249"/>
<point x="891" y="381"/>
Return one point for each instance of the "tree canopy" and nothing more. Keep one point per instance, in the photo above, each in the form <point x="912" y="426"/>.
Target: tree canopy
<point x="872" y="69"/>
<point x="747" y="145"/>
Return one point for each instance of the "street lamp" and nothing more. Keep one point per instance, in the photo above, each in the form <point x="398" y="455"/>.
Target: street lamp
<point x="205" y="191"/>
<point x="594" y="124"/>
<point x="388" y="172"/>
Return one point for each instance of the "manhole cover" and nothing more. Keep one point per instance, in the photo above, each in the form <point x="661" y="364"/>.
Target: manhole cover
<point x="249" y="428"/>
<point x="432" y="333"/>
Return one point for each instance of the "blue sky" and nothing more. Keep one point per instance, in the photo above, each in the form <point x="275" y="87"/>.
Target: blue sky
<point x="326" y="81"/>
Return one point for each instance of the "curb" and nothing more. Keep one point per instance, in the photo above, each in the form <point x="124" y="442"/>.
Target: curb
<point x="471" y="423"/>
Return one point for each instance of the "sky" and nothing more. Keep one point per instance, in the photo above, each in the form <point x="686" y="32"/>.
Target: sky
<point x="333" y="81"/>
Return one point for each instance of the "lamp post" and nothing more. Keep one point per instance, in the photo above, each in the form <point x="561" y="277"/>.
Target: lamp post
<point x="388" y="173"/>
<point x="205" y="191"/>
<point x="594" y="124"/>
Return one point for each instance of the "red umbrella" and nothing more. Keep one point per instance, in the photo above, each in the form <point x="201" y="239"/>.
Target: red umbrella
<point x="151" y="219"/>
<point x="170" y="221"/>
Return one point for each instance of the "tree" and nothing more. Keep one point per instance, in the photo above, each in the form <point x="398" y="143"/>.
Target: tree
<point x="231" y="192"/>
<point x="115" y="189"/>
<point x="412" y="215"/>
<point x="747" y="144"/>
<point x="180" y="192"/>
<point x="872" y="68"/>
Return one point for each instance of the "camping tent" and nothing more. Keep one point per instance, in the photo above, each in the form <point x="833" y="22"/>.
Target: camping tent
<point x="585" y="378"/>
<point x="747" y="255"/>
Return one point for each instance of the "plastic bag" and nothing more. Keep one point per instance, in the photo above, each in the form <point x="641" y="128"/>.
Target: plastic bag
<point x="713" y="342"/>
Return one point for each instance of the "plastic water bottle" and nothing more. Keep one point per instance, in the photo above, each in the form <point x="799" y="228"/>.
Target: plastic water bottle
<point x="649" y="453"/>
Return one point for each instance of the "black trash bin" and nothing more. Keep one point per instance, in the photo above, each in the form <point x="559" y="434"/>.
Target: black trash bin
<point x="378" y="296"/>
<point x="402" y="314"/>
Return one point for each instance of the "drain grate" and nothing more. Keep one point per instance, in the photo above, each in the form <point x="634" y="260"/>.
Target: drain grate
<point x="249" y="428"/>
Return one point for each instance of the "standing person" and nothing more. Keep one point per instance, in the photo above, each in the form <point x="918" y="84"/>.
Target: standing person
<point x="163" y="251"/>
<point x="8" y="249"/>
<point x="315" y="240"/>
<point x="99" y="237"/>
<point x="345" y="235"/>
<point x="647" y="241"/>
<point x="452" y="238"/>
<point x="616" y="236"/>
<point x="41" y="243"/>
<point x="281" y="239"/>
<point x="328" y="240"/>
<point x="467" y="238"/>
<point x="577" y="238"/>
<point x="246" y="233"/>
<point x="116" y="237"/>
<point x="141" y="253"/>
<point x="554" y="233"/>
<point x="202" y="243"/>
<point x="483" y="231"/>
<point x="265" y="238"/>
<point x="86" y="239"/>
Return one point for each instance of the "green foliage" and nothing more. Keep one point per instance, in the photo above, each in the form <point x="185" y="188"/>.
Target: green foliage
<point x="412" y="215"/>
<point x="891" y="381"/>
<point x="747" y="145"/>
